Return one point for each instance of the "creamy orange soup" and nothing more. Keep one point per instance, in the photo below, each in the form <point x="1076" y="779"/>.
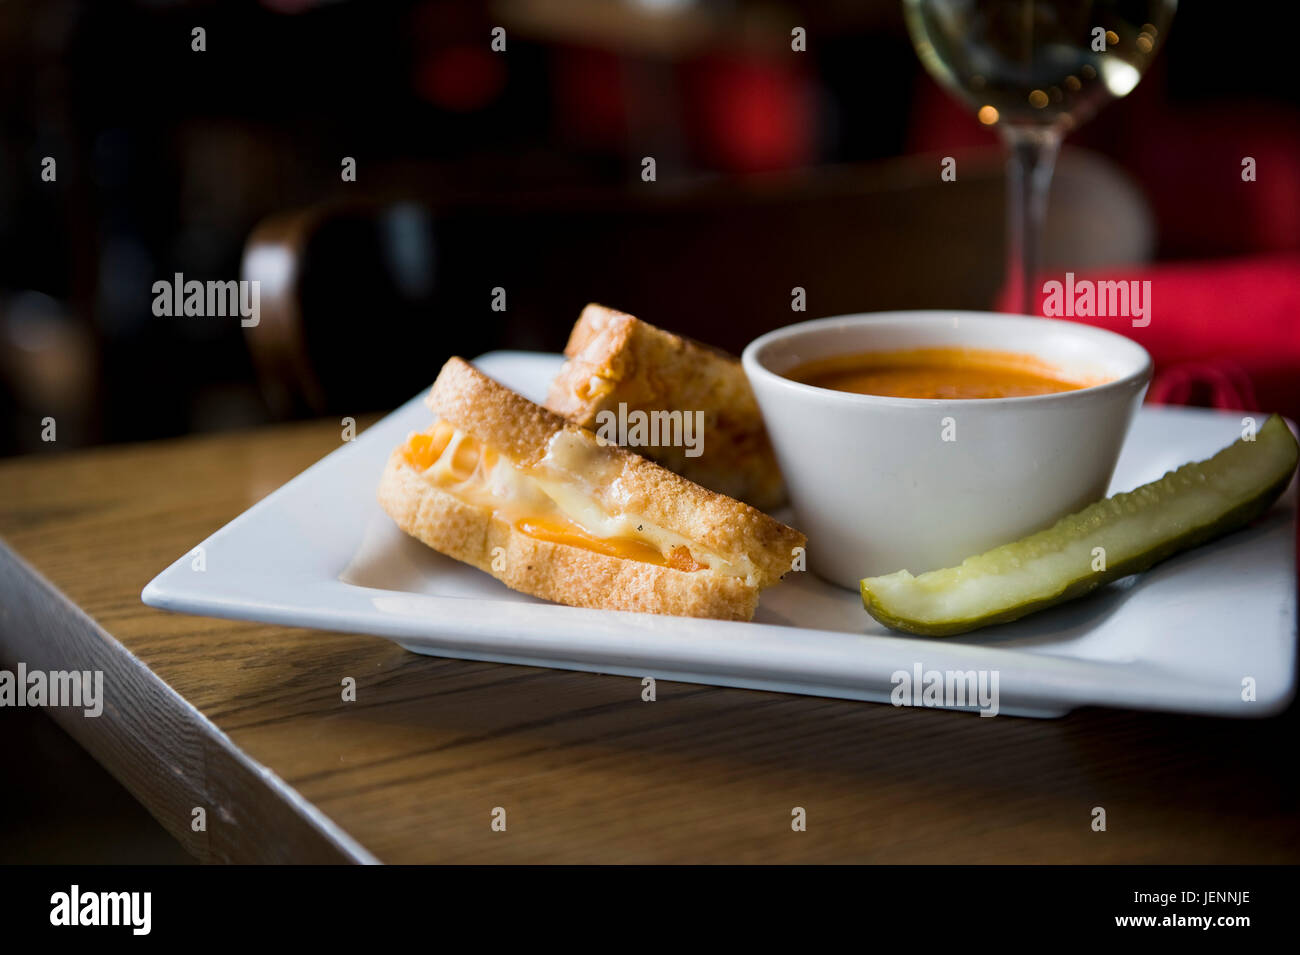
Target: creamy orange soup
<point x="937" y="373"/>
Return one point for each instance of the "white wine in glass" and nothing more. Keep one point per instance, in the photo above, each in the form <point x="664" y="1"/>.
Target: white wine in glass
<point x="1035" y="69"/>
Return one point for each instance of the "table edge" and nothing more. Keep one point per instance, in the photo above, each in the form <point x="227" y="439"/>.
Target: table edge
<point x="159" y="735"/>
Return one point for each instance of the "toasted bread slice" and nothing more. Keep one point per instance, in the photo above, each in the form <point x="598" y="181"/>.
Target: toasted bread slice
<point x="545" y="507"/>
<point x="616" y="360"/>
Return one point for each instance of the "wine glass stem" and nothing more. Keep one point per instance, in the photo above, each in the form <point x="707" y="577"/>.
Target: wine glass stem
<point x="1031" y="158"/>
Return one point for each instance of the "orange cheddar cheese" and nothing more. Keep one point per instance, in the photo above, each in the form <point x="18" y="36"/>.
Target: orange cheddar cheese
<point x="471" y="464"/>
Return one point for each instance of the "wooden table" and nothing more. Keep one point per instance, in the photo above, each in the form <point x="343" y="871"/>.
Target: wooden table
<point x="247" y="722"/>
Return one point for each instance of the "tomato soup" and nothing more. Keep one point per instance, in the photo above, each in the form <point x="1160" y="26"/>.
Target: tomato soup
<point x="937" y="373"/>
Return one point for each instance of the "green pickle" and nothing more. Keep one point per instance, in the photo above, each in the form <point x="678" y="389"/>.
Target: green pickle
<point x="1105" y="541"/>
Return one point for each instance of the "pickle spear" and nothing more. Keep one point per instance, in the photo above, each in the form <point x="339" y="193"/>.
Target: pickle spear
<point x="1105" y="541"/>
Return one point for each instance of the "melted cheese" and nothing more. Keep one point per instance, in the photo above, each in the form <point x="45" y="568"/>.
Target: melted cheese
<point x="568" y="533"/>
<point x="555" y="499"/>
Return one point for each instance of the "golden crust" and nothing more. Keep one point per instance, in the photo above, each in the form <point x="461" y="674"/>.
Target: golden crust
<point x="616" y="359"/>
<point x="489" y="411"/>
<point x="569" y="575"/>
<point x="621" y="481"/>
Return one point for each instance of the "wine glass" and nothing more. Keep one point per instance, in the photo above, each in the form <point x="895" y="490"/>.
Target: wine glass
<point x="1035" y="69"/>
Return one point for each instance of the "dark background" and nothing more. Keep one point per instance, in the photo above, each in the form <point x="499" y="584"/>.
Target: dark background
<point x="521" y="170"/>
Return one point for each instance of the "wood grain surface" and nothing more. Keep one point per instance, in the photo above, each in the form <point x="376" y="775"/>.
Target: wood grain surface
<point x="246" y="721"/>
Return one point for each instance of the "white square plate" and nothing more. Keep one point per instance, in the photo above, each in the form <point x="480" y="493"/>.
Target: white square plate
<point x="320" y="553"/>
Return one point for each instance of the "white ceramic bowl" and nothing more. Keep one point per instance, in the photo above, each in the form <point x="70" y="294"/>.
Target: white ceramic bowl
<point x="881" y="484"/>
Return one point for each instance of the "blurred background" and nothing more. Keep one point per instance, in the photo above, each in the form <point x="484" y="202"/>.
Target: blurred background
<point x="521" y="170"/>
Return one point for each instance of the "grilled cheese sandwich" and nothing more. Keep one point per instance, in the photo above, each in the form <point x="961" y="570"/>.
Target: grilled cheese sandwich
<point x="619" y="366"/>
<point x="541" y="504"/>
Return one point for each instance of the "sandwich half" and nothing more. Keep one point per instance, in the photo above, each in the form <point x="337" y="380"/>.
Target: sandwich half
<point x="620" y="367"/>
<point x="548" y="509"/>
